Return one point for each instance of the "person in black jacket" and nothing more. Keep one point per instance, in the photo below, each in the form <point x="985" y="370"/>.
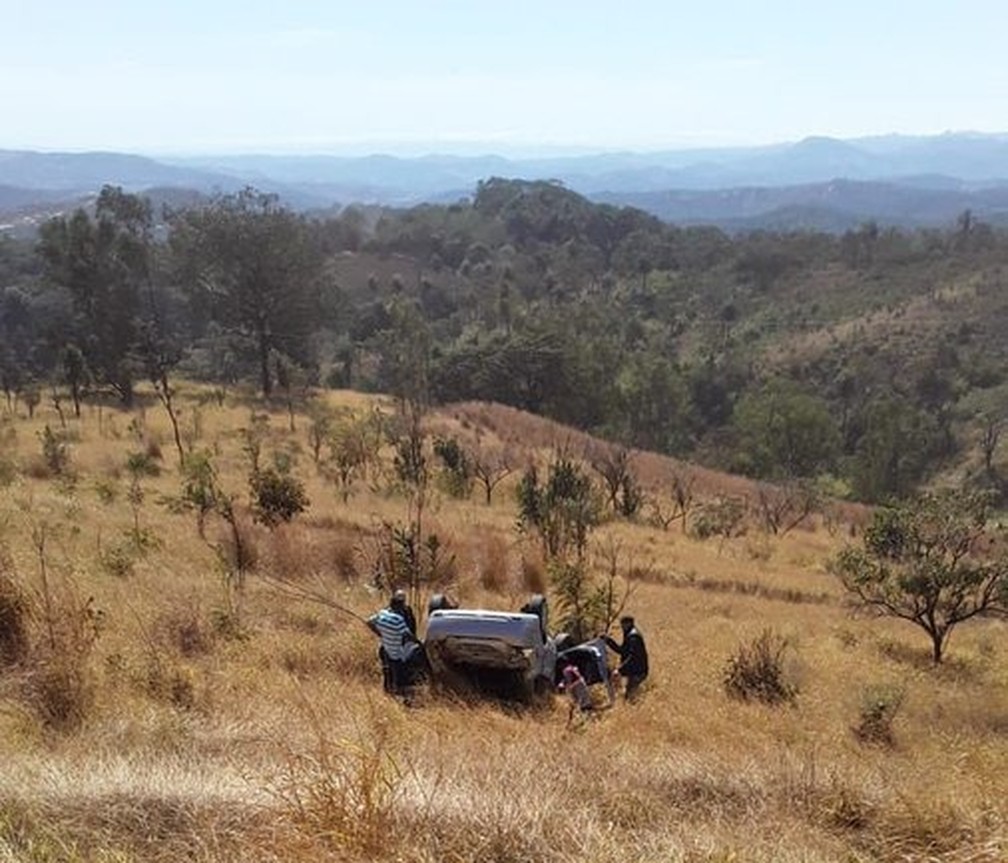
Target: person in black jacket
<point x="633" y="667"/>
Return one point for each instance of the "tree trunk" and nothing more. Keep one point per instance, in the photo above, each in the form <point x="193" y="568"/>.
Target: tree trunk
<point x="937" y="643"/>
<point x="265" y="379"/>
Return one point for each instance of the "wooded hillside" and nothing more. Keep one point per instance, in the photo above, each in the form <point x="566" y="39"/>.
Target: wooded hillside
<point x="868" y="363"/>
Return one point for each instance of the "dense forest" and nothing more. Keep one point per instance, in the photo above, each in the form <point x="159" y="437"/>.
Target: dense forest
<point x="868" y="363"/>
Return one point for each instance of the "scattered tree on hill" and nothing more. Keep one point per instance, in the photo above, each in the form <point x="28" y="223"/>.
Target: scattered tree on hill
<point x="106" y="264"/>
<point x="562" y="511"/>
<point x="159" y="357"/>
<point x="783" y="507"/>
<point x="350" y="450"/>
<point x="990" y="437"/>
<point x="75" y="373"/>
<point x="457" y="469"/>
<point x="935" y="561"/>
<point x="490" y="466"/>
<point x="615" y="466"/>
<point x="277" y="497"/>
<point x="251" y="265"/>
<point x="893" y="451"/>
<point x="785" y="433"/>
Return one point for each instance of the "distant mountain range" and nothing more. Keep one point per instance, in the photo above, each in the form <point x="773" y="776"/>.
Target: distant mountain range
<point x="816" y="183"/>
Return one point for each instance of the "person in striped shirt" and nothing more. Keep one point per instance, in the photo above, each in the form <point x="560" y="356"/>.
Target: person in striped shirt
<point x="392" y="626"/>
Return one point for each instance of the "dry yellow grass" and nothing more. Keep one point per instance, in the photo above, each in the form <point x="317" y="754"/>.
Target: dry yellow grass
<point x="281" y="746"/>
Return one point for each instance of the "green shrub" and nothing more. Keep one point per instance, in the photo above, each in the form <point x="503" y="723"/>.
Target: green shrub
<point x="277" y="497"/>
<point x="142" y="463"/>
<point x="456" y="474"/>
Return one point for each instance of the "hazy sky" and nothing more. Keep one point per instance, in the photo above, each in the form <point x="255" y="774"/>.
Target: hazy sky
<point x="321" y="75"/>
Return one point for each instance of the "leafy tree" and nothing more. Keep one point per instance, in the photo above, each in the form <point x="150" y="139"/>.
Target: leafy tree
<point x="277" y="497"/>
<point x="404" y="350"/>
<point x="654" y="404"/>
<point x="933" y="561"/>
<point x="106" y="264"/>
<point x="200" y="491"/>
<point x="350" y="449"/>
<point x="75" y="372"/>
<point x="458" y="471"/>
<point x="785" y="433"/>
<point x="990" y="436"/>
<point x="32" y="397"/>
<point x="253" y="266"/>
<point x="893" y="450"/>
<point x="563" y="510"/>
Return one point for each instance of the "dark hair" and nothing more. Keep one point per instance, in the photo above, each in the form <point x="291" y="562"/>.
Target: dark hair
<point x="626" y="621"/>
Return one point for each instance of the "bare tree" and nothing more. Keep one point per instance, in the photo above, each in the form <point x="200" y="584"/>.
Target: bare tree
<point x="990" y="437"/>
<point x="679" y="503"/>
<point x="490" y="466"/>
<point x="160" y="357"/>
<point x="783" y="507"/>
<point x="615" y="466"/>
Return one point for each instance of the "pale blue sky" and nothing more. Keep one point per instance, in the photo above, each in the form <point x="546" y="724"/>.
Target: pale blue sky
<point x="185" y="76"/>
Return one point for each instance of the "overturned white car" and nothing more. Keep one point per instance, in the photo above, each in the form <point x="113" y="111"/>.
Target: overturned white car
<point x="505" y="654"/>
<point x="502" y="653"/>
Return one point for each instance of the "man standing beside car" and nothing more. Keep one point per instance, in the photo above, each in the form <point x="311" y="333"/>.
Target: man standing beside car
<point x="393" y="626"/>
<point x="633" y="667"/>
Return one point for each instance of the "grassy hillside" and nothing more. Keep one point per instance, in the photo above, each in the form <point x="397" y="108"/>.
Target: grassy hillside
<point x="148" y="721"/>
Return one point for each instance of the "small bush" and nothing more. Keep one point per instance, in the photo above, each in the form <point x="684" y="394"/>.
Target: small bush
<point x="143" y="464"/>
<point x="106" y="491"/>
<point x="170" y="682"/>
<point x="62" y="691"/>
<point x="756" y="671"/>
<point x="291" y="554"/>
<point x="347" y="791"/>
<point x="722" y="517"/>
<point x="152" y="450"/>
<point x="879" y="706"/>
<point x="55" y="452"/>
<point x="227" y="625"/>
<point x="60" y="683"/>
<point x="456" y="474"/>
<point x="278" y="497"/>
<point x="118" y="560"/>
<point x="185" y="630"/>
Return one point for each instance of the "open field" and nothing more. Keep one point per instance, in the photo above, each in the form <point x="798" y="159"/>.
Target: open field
<point x="183" y="732"/>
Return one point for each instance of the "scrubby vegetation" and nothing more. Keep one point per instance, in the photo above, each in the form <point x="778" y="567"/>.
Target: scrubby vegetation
<point x="865" y="364"/>
<point x="213" y="700"/>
